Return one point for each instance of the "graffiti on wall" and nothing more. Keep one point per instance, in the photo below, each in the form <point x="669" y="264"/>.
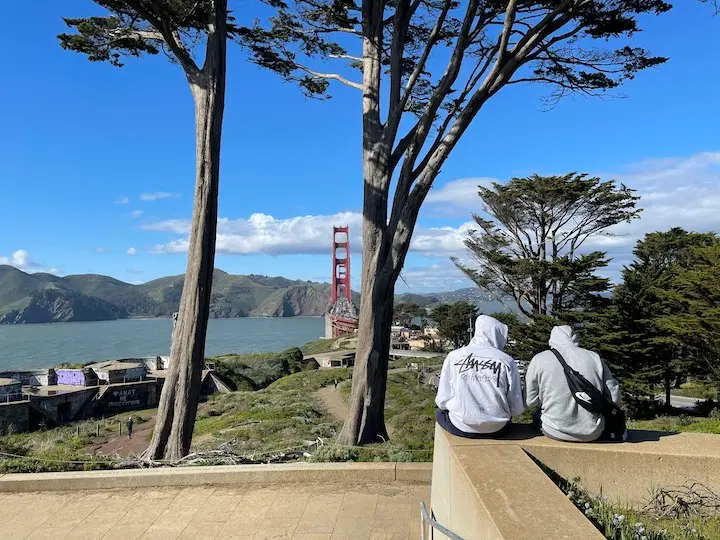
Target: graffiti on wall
<point x="125" y="398"/>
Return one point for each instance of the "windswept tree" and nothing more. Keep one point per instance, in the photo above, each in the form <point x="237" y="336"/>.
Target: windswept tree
<point x="427" y="68"/>
<point x="529" y="247"/>
<point x="664" y="312"/>
<point x="180" y="29"/>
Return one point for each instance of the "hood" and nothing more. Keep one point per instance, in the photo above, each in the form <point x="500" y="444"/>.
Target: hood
<point x="489" y="332"/>
<point x="563" y="336"/>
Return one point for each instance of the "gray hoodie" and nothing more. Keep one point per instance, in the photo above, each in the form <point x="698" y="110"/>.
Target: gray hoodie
<point x="562" y="418"/>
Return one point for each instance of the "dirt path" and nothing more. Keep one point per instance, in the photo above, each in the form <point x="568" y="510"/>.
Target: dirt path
<point x="120" y="444"/>
<point x="332" y="399"/>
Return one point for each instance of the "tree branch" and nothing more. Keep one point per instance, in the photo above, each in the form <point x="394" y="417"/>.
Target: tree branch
<point x="330" y="76"/>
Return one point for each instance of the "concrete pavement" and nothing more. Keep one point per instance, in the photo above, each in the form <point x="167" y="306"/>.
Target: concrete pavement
<point x="299" y="512"/>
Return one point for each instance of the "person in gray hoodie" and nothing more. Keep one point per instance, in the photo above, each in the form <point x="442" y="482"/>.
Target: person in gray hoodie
<point x="480" y="387"/>
<point x="546" y="386"/>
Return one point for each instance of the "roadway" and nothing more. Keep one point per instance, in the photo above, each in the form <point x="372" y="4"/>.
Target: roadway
<point x="680" y="402"/>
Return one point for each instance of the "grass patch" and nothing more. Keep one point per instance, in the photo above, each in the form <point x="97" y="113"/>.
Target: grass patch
<point x="410" y="411"/>
<point x="679" y="423"/>
<point x="311" y="381"/>
<point x="257" y="371"/>
<point x="696" y="389"/>
<point x="63" y="448"/>
<point x="318" y="346"/>
<point x="282" y="416"/>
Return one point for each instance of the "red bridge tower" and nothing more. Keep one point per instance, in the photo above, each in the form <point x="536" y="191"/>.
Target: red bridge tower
<point x="341" y="265"/>
<point x="341" y="318"/>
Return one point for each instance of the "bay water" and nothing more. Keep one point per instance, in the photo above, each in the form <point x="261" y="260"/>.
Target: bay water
<point x="46" y="345"/>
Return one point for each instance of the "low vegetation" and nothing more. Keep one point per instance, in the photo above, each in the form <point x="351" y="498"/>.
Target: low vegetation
<point x="258" y="371"/>
<point x="281" y="417"/>
<point x="654" y="522"/>
<point x="63" y="448"/>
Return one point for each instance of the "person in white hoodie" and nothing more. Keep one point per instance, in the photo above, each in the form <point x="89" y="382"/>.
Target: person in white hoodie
<point x="560" y="416"/>
<point x="480" y="388"/>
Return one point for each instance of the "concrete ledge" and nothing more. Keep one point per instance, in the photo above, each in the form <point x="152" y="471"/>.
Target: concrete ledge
<point x="359" y="473"/>
<point x="496" y="492"/>
<point x="413" y="473"/>
<point x="626" y="471"/>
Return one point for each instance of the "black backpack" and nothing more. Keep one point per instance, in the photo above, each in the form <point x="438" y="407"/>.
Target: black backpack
<point x="593" y="400"/>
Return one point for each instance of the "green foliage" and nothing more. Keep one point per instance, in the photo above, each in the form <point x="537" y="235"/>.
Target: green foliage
<point x="265" y="421"/>
<point x="303" y="30"/>
<point x="529" y="248"/>
<point x="455" y="322"/>
<point x="621" y="523"/>
<point x="134" y="28"/>
<point x="310" y="382"/>
<point x="679" y="423"/>
<point x="252" y="371"/>
<point x="405" y="312"/>
<point x="318" y="346"/>
<point x="663" y="324"/>
<point x="59" y="449"/>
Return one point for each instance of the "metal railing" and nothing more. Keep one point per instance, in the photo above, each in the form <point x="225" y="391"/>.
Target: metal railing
<point x="427" y="520"/>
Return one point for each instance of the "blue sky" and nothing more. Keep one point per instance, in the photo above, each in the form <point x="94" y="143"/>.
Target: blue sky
<point x="97" y="165"/>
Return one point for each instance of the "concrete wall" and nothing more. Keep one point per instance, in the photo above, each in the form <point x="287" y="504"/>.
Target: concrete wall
<point x="126" y="397"/>
<point x="487" y="491"/>
<point x="11" y="390"/>
<point x="64" y="407"/>
<point x="35" y="377"/>
<point x="14" y="417"/>
<point x="116" y="376"/>
<point x="76" y="377"/>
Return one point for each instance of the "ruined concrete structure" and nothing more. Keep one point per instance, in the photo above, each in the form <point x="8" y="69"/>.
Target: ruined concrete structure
<point x="341" y="318"/>
<point x="118" y="371"/>
<point x="31" y="377"/>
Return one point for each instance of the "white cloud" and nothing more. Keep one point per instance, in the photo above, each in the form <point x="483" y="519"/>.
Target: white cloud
<point x="682" y="192"/>
<point x="135" y="271"/>
<point x="158" y="195"/>
<point x="131" y="251"/>
<point x="100" y="250"/>
<point x="21" y="260"/>
<point x="136" y="214"/>
<point x="674" y="192"/>
<point x="264" y="234"/>
<point x="122" y="200"/>
<point x="459" y="197"/>
<point x="443" y="276"/>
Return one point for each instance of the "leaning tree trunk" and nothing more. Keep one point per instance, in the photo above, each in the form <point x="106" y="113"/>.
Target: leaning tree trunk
<point x="181" y="391"/>
<point x="365" y="422"/>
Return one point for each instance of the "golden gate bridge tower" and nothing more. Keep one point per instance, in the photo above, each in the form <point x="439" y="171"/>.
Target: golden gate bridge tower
<point x="341" y="318"/>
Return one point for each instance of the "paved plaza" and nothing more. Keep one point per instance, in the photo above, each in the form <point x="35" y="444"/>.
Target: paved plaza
<point x="298" y="512"/>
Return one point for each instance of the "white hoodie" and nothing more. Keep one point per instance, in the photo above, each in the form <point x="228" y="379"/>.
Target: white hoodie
<point x="562" y="418"/>
<point x="479" y="384"/>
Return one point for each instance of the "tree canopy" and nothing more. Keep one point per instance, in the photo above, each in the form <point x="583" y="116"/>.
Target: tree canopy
<point x="133" y="28"/>
<point x="405" y="312"/>
<point x="456" y="322"/>
<point x="529" y="247"/>
<point x="658" y="310"/>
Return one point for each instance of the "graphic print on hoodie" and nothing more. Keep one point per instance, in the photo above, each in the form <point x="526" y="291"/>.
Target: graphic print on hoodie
<point x="479" y="384"/>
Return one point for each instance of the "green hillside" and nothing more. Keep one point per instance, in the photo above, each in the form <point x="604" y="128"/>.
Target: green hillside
<point x="30" y="298"/>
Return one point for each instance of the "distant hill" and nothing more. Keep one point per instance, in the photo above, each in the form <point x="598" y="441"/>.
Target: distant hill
<point x="474" y="295"/>
<point x="38" y="298"/>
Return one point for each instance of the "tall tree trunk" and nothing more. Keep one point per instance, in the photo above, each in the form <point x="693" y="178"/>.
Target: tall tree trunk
<point x="668" y="385"/>
<point x="365" y="423"/>
<point x="181" y="391"/>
